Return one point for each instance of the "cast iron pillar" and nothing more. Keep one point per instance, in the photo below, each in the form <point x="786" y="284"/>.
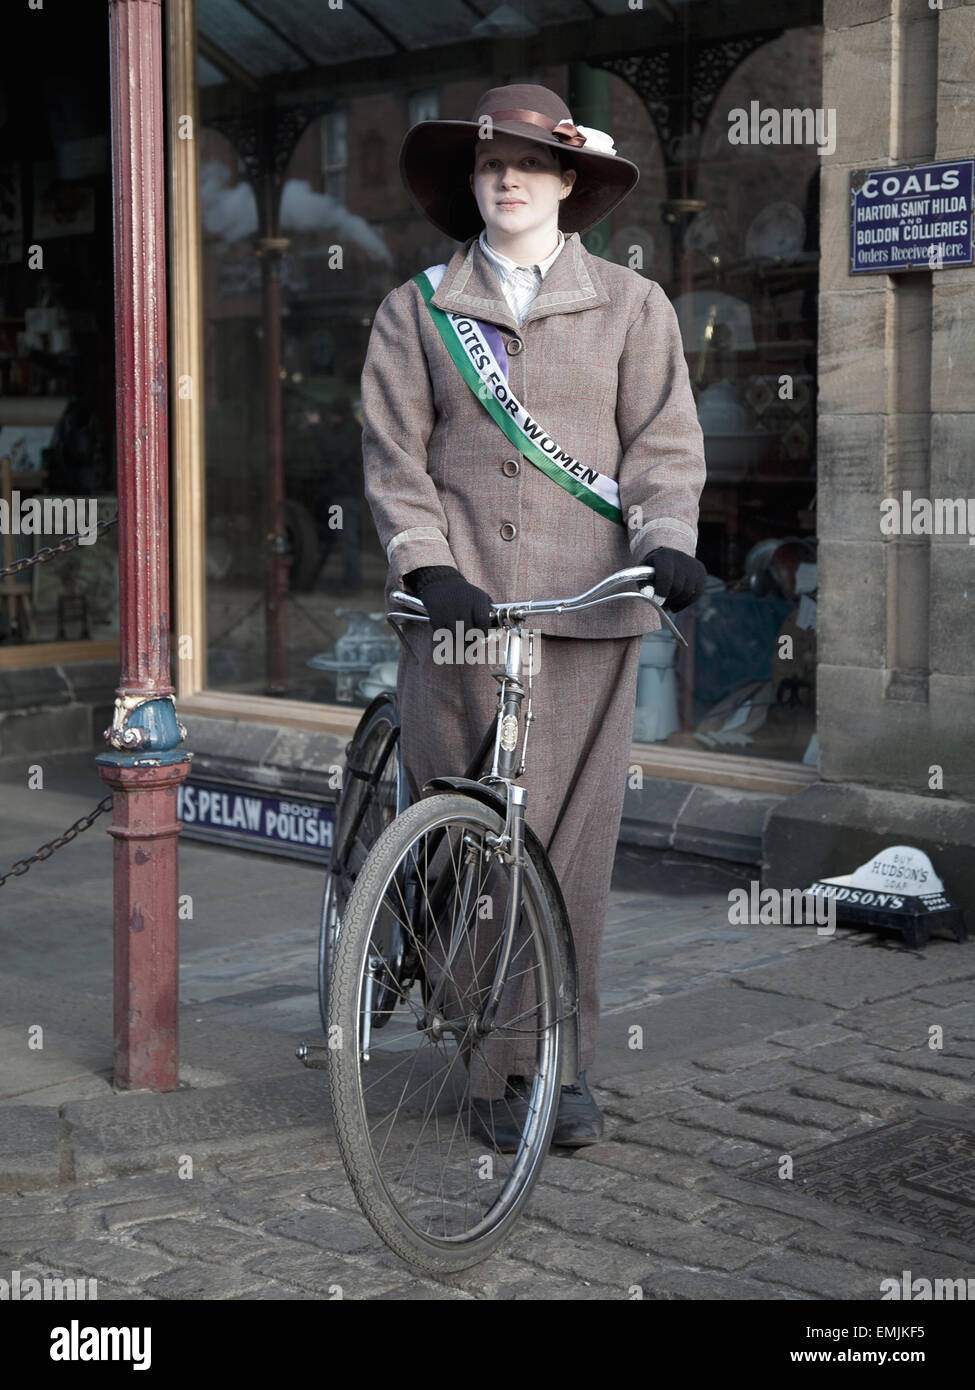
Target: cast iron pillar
<point x="145" y="766"/>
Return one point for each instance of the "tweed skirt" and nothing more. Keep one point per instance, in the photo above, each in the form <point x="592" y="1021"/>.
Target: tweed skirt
<point x="578" y="752"/>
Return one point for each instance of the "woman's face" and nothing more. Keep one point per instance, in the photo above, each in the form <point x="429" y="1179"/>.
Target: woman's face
<point x="518" y="184"/>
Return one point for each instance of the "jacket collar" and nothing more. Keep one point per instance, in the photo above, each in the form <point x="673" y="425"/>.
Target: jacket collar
<point x="470" y="286"/>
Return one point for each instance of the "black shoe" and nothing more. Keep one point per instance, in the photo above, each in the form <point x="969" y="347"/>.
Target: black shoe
<point x="502" y="1122"/>
<point x="579" y="1120"/>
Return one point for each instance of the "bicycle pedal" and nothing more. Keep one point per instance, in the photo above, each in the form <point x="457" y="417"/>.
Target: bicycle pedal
<point x="312" y="1055"/>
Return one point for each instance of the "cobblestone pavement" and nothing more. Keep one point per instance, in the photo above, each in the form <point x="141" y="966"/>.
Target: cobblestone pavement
<point x="849" y="1058"/>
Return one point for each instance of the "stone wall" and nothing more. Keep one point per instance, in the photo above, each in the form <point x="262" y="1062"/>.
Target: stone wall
<point x="896" y="411"/>
<point x="55" y="709"/>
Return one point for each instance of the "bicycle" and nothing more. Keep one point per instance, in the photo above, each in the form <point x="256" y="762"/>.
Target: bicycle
<point x="477" y="1023"/>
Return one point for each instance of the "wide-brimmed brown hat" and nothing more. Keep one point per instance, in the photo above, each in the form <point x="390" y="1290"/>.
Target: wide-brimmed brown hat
<point x="437" y="157"/>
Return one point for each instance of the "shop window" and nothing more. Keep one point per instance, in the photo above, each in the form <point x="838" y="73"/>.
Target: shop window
<point x="731" y="233"/>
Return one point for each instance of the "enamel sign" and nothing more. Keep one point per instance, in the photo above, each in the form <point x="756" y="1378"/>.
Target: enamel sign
<point x="916" y="218"/>
<point x="232" y="814"/>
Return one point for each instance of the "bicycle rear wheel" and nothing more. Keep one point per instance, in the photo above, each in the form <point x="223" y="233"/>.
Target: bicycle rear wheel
<point x="409" y="1104"/>
<point x="372" y="792"/>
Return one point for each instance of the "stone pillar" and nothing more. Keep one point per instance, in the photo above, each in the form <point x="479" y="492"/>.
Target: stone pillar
<point x="896" y="675"/>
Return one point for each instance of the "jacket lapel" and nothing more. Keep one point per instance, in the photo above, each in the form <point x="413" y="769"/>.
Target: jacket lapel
<point x="470" y="286"/>
<point x="569" y="285"/>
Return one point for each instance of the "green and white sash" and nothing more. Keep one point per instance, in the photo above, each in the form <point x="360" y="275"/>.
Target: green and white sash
<point x="465" y="340"/>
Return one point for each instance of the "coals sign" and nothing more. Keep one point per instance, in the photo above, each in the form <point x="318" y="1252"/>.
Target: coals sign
<point x="231" y="813"/>
<point x="912" y="219"/>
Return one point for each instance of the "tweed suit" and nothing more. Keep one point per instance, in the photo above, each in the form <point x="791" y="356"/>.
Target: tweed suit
<point x="599" y="360"/>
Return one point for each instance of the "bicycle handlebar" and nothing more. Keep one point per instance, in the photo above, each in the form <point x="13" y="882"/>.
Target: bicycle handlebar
<point x="510" y="614"/>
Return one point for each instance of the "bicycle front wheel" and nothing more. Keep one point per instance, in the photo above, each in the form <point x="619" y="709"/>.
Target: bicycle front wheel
<point x="420" y="1107"/>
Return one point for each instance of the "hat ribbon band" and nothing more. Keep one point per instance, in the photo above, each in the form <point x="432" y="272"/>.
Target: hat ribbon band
<point x="563" y="131"/>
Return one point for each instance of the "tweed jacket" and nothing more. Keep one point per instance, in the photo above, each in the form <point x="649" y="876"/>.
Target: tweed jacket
<point x="599" y="362"/>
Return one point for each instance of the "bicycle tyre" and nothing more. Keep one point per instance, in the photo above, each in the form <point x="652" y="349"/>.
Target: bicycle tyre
<point x="421" y="1248"/>
<point x="374" y="748"/>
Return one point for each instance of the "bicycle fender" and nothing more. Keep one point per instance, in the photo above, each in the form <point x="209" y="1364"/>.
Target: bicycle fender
<point x="495" y="798"/>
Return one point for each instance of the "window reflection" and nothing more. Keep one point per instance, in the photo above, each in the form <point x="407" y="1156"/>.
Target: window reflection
<point x="730" y="232"/>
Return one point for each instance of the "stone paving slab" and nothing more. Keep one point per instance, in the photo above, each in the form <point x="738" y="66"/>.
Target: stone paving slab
<point x="869" y="1102"/>
<point x="906" y="1025"/>
<point x="137" y="1130"/>
<point x="838" y="1224"/>
<point x="107" y="1259"/>
<point x="818" y="1277"/>
<point x="24" y="1235"/>
<point x="30" y="1148"/>
<point x="62" y="1060"/>
<point x="696" y="1019"/>
<point x="862" y="973"/>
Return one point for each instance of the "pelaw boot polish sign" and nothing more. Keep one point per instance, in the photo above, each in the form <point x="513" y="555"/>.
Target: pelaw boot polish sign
<point x="897" y="889"/>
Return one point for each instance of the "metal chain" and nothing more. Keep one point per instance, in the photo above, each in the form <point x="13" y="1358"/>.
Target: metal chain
<point x="45" y="851"/>
<point x="47" y="552"/>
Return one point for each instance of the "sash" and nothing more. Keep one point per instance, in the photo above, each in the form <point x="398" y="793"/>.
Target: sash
<point x="467" y="341"/>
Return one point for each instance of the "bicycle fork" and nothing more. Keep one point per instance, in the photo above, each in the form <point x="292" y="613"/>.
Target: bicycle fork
<point x="512" y="845"/>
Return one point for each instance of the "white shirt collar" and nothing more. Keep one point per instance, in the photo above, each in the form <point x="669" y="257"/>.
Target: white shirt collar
<point x="506" y="265"/>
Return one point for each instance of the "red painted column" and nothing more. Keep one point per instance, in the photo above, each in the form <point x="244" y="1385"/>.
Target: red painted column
<point x="145" y="767"/>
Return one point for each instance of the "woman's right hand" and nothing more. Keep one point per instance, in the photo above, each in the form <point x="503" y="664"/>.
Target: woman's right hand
<point x="450" y="599"/>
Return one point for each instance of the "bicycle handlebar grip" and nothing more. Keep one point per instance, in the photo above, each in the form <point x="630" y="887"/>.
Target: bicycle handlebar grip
<point x="402" y="599"/>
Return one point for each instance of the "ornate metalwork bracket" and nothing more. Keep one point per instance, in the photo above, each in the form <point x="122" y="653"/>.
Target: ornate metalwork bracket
<point x="146" y="726"/>
<point x="679" y="86"/>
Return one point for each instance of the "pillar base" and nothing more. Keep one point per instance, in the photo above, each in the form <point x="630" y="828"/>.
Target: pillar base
<point x="145" y="831"/>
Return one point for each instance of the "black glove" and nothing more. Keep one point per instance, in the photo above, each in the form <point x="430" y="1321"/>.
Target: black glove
<point x="678" y="578"/>
<point x="449" y="598"/>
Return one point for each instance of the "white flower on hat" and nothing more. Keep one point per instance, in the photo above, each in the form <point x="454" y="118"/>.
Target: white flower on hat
<point x="597" y="140"/>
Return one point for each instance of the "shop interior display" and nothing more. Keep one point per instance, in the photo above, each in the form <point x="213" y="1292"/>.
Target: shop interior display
<point x="57" y="379"/>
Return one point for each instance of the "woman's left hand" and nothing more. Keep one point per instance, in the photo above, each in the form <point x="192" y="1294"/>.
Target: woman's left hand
<point x="679" y="579"/>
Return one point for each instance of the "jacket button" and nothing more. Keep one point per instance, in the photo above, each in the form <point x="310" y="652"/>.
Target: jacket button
<point x="515" y="346"/>
<point x="510" y="468"/>
<point x="508" y="531"/>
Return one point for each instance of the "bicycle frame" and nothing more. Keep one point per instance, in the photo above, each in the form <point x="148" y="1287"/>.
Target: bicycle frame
<point x="504" y="736"/>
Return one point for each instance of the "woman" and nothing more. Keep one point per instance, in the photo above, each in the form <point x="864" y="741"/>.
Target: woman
<point x="592" y="354"/>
